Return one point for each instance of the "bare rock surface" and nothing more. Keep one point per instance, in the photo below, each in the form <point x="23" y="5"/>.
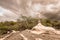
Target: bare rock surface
<point x="27" y="35"/>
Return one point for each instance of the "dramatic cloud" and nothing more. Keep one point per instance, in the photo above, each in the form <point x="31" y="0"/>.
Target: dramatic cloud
<point x="33" y="8"/>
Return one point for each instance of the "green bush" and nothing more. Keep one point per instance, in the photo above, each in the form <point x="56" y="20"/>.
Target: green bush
<point x="3" y="32"/>
<point x="51" y="23"/>
<point x="27" y="23"/>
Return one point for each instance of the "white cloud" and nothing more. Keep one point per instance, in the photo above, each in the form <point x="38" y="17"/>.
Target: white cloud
<point x="50" y="7"/>
<point x="3" y="11"/>
<point x="36" y="7"/>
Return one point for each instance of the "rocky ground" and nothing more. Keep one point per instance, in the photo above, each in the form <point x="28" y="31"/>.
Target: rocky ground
<point x="29" y="35"/>
<point x="34" y="34"/>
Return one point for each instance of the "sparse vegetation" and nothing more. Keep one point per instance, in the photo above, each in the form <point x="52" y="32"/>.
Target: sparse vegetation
<point x="27" y="23"/>
<point x="51" y="23"/>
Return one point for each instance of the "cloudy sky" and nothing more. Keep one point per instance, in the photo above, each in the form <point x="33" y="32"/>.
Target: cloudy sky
<point x="34" y="8"/>
<point x="2" y="10"/>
